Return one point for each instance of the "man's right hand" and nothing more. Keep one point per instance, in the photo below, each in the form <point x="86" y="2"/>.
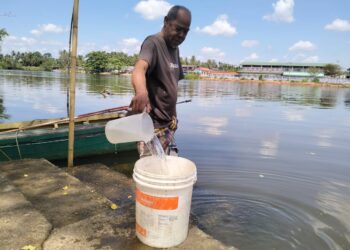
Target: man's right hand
<point x="140" y="103"/>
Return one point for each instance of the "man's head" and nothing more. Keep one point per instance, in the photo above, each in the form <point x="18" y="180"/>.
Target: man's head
<point x="176" y="25"/>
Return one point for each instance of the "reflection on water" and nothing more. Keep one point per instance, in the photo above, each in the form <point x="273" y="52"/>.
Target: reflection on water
<point x="3" y="115"/>
<point x="333" y="200"/>
<point x="269" y="146"/>
<point x="272" y="160"/>
<point x="40" y="95"/>
<point x="325" y="137"/>
<point x="213" y="125"/>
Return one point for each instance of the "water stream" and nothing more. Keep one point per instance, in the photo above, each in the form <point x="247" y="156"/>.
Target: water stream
<point x="156" y="150"/>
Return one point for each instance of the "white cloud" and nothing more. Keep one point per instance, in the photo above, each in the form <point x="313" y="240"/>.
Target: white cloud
<point x="274" y="60"/>
<point x="16" y="42"/>
<point x="221" y="26"/>
<point x="130" y="45"/>
<point x="52" y="43"/>
<point x="338" y="25"/>
<point x="303" y="45"/>
<point x="212" y="52"/>
<point x="251" y="57"/>
<point x="249" y="43"/>
<point x="311" y="59"/>
<point x="130" y="42"/>
<point x="25" y="44"/>
<point x="48" y="28"/>
<point x="282" y="11"/>
<point x="152" y="9"/>
<point x="87" y="47"/>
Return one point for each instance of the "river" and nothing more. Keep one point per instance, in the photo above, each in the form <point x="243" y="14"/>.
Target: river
<point x="273" y="160"/>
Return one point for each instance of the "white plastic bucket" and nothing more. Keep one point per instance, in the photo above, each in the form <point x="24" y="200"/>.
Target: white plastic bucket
<point x="163" y="202"/>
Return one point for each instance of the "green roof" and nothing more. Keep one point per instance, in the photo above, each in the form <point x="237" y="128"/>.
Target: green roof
<point x="285" y="64"/>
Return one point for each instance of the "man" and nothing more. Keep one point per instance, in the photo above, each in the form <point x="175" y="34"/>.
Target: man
<point x="156" y="76"/>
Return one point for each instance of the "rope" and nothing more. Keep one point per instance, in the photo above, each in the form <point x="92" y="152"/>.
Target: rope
<point x="8" y="158"/>
<point x="18" y="149"/>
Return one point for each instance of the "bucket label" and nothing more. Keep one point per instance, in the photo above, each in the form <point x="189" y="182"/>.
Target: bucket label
<point x="160" y="203"/>
<point x="141" y="230"/>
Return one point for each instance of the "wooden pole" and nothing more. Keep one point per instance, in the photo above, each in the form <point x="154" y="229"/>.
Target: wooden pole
<point x="73" y="65"/>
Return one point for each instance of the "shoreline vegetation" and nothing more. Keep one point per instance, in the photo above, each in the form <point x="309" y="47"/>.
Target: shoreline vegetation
<point x="282" y="82"/>
<point x="237" y="80"/>
<point x="119" y="63"/>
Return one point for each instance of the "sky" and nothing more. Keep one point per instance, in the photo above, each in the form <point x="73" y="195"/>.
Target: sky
<point x="230" y="31"/>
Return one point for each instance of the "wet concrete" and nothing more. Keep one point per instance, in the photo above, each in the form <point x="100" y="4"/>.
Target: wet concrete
<point x="43" y="206"/>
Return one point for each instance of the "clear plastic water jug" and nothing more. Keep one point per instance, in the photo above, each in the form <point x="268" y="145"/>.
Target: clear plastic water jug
<point x="131" y="128"/>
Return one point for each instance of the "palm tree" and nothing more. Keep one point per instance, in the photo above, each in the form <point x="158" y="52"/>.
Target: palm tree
<point x="3" y="33"/>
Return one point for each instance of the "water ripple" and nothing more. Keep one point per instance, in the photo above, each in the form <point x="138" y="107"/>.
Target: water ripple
<point x="248" y="221"/>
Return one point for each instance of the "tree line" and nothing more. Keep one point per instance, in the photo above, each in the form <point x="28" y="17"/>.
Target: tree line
<point x="93" y="62"/>
<point x="101" y="61"/>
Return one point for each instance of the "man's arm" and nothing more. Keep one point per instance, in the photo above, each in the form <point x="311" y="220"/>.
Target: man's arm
<point x="140" y="100"/>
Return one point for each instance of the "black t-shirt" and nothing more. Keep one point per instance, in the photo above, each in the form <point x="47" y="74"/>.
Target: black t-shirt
<point x="164" y="72"/>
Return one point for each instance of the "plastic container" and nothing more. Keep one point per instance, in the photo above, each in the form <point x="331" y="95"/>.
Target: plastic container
<point x="131" y="128"/>
<point x="163" y="202"/>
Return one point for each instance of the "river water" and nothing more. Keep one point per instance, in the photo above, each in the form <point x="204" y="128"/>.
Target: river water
<point x="273" y="161"/>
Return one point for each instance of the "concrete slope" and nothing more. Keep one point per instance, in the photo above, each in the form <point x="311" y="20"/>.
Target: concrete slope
<point x="43" y="206"/>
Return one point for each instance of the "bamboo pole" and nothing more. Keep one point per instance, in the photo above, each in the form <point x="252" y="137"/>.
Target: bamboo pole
<point x="72" y="85"/>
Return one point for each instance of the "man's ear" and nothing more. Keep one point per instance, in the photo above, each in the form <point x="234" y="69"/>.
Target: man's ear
<point x="166" y="19"/>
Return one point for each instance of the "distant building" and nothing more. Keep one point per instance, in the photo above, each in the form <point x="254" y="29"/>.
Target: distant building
<point x="348" y="74"/>
<point x="204" y="72"/>
<point x="188" y="68"/>
<point x="273" y="69"/>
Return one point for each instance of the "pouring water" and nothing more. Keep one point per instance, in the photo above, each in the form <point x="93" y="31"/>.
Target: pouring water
<point x="137" y="127"/>
<point x="157" y="151"/>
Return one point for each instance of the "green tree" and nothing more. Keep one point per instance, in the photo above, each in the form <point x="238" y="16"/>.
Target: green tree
<point x="11" y="61"/>
<point x="117" y="61"/>
<point x="80" y="61"/>
<point x="34" y="59"/>
<point x="96" y="62"/>
<point x="332" y="69"/>
<point x="63" y="59"/>
<point x="193" y="61"/>
<point x="48" y="63"/>
<point x="227" y="67"/>
<point x="313" y="71"/>
<point x="3" y="34"/>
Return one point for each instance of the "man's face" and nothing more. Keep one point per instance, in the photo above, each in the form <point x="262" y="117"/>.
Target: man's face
<point x="175" y="31"/>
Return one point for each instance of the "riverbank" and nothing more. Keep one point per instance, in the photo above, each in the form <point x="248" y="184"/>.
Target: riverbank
<point x="277" y="82"/>
<point x="281" y="82"/>
<point x="236" y="80"/>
